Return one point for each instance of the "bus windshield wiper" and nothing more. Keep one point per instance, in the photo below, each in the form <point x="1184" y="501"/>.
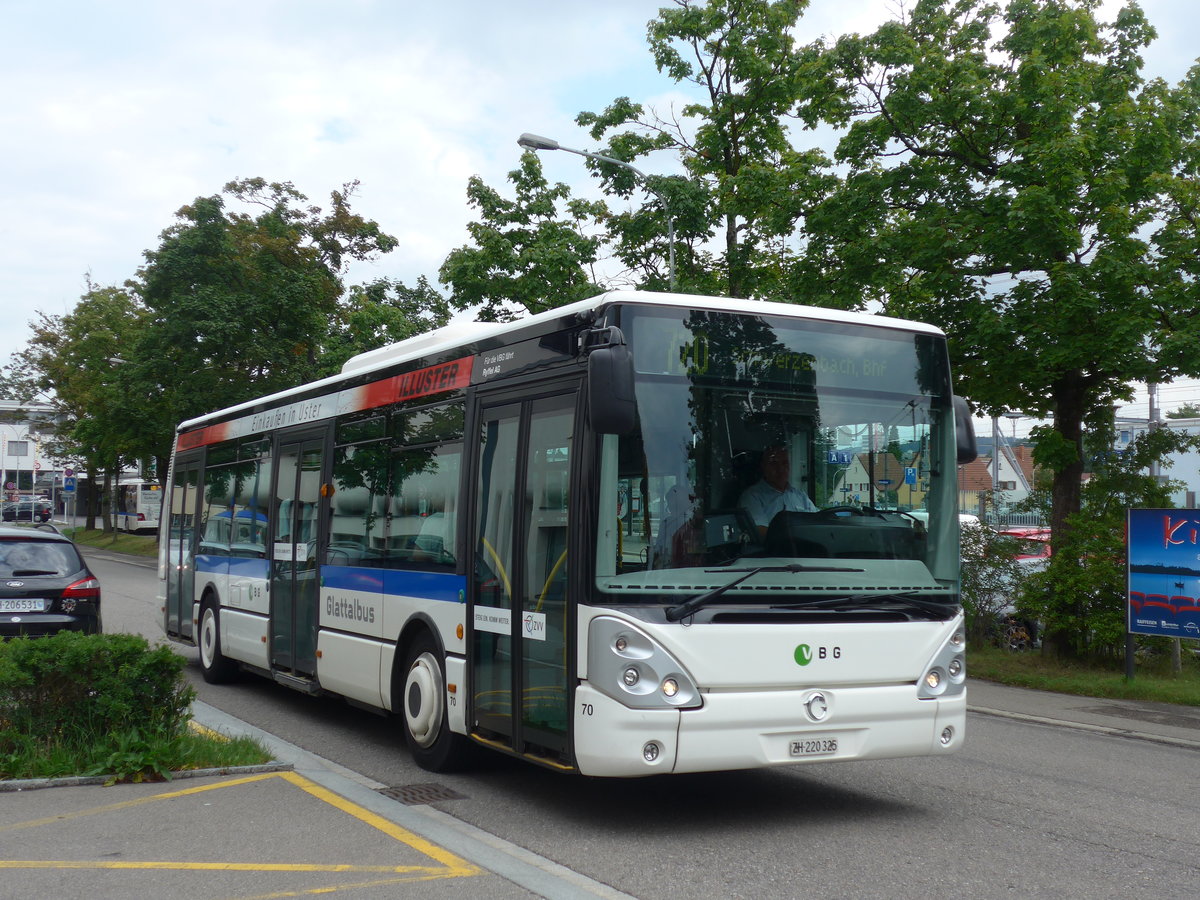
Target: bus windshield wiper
<point x="675" y="613"/>
<point x="859" y="601"/>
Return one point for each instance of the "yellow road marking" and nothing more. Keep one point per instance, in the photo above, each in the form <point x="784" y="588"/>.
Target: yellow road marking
<point x="452" y="866"/>
<point x="212" y="867"/>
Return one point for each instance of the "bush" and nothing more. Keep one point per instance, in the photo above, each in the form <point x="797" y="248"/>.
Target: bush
<point x="991" y="580"/>
<point x="69" y="699"/>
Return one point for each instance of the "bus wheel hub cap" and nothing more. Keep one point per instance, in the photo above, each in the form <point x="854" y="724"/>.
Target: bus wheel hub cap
<point x="422" y="699"/>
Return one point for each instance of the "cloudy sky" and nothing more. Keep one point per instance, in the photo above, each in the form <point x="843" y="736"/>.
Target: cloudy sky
<point x="116" y="114"/>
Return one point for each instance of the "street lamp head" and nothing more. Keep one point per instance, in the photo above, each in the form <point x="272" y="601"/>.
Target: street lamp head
<point x="117" y="361"/>
<point x="536" y="142"/>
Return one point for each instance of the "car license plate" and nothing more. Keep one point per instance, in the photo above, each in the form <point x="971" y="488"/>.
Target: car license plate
<point x="816" y="745"/>
<point x="22" y="605"/>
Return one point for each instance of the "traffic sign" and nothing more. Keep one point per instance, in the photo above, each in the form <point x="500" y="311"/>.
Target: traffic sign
<point x="68" y="484"/>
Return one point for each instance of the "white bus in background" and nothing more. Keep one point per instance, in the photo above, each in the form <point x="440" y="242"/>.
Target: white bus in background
<point x="138" y="506"/>
<point x="535" y="537"/>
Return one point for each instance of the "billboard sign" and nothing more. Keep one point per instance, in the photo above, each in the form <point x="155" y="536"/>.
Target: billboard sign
<point x="1163" y="595"/>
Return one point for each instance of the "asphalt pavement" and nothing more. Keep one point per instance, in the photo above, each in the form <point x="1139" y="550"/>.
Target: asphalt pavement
<point x="304" y="824"/>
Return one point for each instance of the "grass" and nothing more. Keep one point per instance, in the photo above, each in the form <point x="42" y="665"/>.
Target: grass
<point x="116" y="541"/>
<point x="1152" y="681"/>
<point x="132" y="758"/>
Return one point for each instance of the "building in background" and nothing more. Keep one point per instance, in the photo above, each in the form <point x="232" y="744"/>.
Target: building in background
<point x="1183" y="468"/>
<point x="27" y="464"/>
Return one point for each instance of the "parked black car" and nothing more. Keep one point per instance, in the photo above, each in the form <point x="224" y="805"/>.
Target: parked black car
<point x="28" y="511"/>
<point x="45" y="585"/>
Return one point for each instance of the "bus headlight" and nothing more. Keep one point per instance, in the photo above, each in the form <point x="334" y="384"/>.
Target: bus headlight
<point x="945" y="674"/>
<point x="634" y="669"/>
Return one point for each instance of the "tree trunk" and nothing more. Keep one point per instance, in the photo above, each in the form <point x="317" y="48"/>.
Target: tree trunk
<point x="733" y="258"/>
<point x="1065" y="497"/>
<point x="93" y="498"/>
<point x="106" y="501"/>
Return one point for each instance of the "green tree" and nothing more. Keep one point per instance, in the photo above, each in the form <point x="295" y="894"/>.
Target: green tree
<point x="69" y="358"/>
<point x="1008" y="177"/>
<point x="526" y="254"/>
<point x="1187" y="411"/>
<point x="241" y="303"/>
<point x="382" y="312"/>
<point x="746" y="182"/>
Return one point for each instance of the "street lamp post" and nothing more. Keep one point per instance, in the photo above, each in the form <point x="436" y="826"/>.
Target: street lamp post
<point x="537" y="142"/>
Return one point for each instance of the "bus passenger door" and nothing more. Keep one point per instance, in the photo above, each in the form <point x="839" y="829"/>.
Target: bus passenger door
<point x="521" y="678"/>
<point x="294" y="570"/>
<point x="181" y="574"/>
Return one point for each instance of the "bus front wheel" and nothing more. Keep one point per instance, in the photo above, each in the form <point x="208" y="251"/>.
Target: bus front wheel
<point x="214" y="665"/>
<point x="423" y="705"/>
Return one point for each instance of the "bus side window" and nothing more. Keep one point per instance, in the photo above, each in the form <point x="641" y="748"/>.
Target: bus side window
<point x="424" y="507"/>
<point x="355" y="516"/>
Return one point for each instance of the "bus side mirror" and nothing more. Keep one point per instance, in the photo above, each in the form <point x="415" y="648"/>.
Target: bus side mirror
<point x="964" y="432"/>
<point x="610" y="396"/>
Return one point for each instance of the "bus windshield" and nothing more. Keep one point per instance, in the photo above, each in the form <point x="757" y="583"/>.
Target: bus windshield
<point x="820" y="453"/>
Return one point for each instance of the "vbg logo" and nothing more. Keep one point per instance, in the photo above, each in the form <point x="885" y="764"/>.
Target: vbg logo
<point x="805" y="655"/>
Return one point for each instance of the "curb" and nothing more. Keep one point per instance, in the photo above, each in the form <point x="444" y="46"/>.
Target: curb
<point x="33" y="784"/>
<point x="1084" y="726"/>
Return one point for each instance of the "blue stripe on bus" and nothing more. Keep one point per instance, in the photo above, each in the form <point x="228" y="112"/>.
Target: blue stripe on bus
<point x="242" y="566"/>
<point x="211" y="565"/>
<point x="250" y="567"/>
<point x="446" y="587"/>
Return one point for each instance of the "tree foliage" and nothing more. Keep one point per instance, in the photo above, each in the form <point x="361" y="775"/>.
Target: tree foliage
<point x="70" y="359"/>
<point x="382" y="312"/>
<point x="1186" y="411"/>
<point x="527" y="254"/>
<point x="244" y="302"/>
<point x="1009" y="177"/>
<point x="747" y="184"/>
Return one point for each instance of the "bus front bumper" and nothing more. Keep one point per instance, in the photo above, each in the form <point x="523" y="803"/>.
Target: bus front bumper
<point x="746" y="730"/>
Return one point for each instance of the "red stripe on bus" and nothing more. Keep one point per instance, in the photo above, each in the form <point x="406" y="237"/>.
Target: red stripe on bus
<point x="450" y="376"/>
<point x="209" y="434"/>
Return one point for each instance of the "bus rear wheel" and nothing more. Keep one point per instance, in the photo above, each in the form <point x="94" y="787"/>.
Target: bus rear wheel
<point x="214" y="665"/>
<point x="423" y="706"/>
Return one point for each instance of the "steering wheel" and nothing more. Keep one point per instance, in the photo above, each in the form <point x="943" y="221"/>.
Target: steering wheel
<point x="850" y="511"/>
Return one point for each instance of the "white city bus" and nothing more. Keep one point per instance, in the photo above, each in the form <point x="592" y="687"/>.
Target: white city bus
<point x="531" y="536"/>
<point x="138" y="506"/>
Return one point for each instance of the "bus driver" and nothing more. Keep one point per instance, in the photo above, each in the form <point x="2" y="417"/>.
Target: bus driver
<point x="773" y="492"/>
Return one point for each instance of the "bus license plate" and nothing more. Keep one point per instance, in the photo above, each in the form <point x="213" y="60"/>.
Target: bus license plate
<point x="814" y="746"/>
<point x="22" y="605"/>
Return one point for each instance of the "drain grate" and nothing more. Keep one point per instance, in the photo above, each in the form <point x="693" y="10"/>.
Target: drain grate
<point x="418" y="794"/>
